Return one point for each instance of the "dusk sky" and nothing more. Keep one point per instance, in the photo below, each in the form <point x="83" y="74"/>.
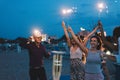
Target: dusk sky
<point x="19" y="17"/>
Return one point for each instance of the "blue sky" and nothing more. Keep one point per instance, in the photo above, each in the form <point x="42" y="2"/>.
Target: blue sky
<point x="19" y="17"/>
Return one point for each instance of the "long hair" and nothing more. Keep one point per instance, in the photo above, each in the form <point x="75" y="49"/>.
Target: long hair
<point x="79" y="38"/>
<point x="72" y="40"/>
<point x="98" y="40"/>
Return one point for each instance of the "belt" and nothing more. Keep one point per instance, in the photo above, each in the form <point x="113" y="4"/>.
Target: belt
<point x="37" y="67"/>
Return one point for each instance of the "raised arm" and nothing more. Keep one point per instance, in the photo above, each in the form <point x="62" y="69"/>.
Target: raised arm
<point x="81" y="45"/>
<point x="89" y="35"/>
<point x="66" y="33"/>
<point x="104" y="40"/>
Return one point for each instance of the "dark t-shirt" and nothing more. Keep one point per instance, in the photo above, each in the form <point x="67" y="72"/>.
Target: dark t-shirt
<point x="36" y="54"/>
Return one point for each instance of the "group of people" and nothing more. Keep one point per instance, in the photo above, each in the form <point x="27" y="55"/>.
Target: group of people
<point x="87" y="63"/>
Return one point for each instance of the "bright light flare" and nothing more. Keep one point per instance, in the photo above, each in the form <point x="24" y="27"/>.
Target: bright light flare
<point x="101" y="6"/>
<point x="108" y="52"/>
<point x="36" y="33"/>
<point x="67" y="11"/>
<point x="82" y="29"/>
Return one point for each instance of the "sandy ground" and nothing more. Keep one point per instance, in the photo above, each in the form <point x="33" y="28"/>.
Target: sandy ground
<point x="14" y="66"/>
